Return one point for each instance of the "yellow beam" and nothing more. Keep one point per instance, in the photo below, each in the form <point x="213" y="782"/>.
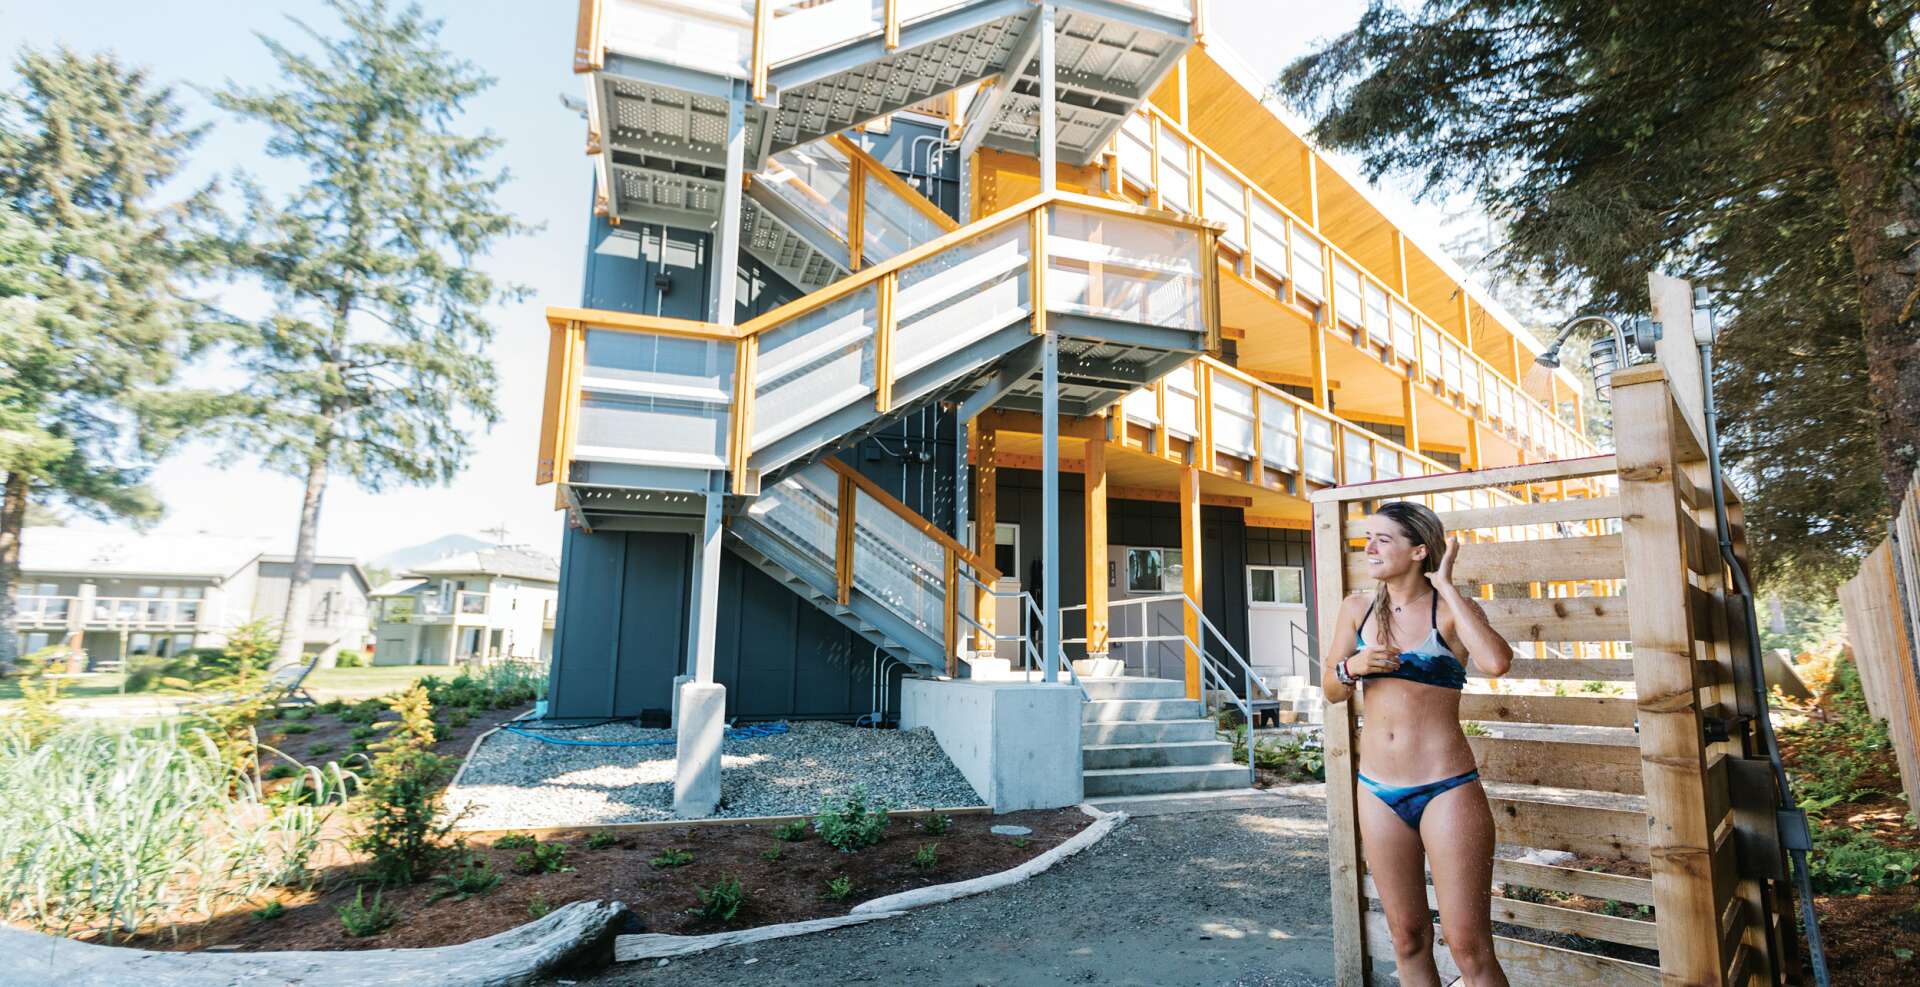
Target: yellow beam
<point x="1096" y="547"/>
<point x="1190" y="571"/>
<point x="980" y="442"/>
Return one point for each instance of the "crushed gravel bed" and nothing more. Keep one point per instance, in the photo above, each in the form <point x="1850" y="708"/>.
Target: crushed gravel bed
<point x="515" y="782"/>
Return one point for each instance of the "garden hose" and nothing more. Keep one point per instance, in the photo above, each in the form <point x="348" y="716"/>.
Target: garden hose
<point x="751" y="732"/>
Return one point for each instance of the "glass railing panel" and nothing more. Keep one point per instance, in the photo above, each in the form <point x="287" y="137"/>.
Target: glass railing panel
<point x="1232" y="416"/>
<point x="1183" y="402"/>
<point x="1224" y="200"/>
<point x="889" y="224"/>
<point x="1142" y="406"/>
<point x="1379" y="323"/>
<point x="961" y="295"/>
<point x="1354" y="445"/>
<point x="816" y="179"/>
<point x="814" y="364"/>
<point x="1309" y="265"/>
<point x="1269" y="238"/>
<point x="1175" y="177"/>
<point x="802" y="27"/>
<point x="1451" y="356"/>
<point x="1405" y="346"/>
<point x="1386" y="463"/>
<point x="710" y="35"/>
<point x="1432" y="362"/>
<point x="803" y="510"/>
<point x="1348" y="305"/>
<point x="1279" y="443"/>
<point x="1318" y="443"/>
<point x="899" y="566"/>
<point x="1136" y="150"/>
<point x="654" y="400"/>
<point x="1124" y="268"/>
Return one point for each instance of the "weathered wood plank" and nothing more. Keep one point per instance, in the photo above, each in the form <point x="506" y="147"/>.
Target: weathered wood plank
<point x="1614" y="833"/>
<point x="1581" y="711"/>
<point x="1593" y="884"/>
<point x="1590" y="767"/>
<point x="1594" y="557"/>
<point x="1350" y="947"/>
<point x="1553" y="918"/>
<point x="1567" y="669"/>
<point x="1560" y="618"/>
<point x="1545" y="512"/>
<point x="1528" y="964"/>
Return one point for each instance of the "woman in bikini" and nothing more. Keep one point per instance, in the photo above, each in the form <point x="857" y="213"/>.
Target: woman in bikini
<point x="1425" y="806"/>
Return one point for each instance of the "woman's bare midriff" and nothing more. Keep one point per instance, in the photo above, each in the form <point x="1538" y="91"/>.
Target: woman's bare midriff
<point x="1411" y="733"/>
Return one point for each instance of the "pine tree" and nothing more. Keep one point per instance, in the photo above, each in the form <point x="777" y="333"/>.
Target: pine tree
<point x="94" y="317"/>
<point x="1765" y="149"/>
<point x="371" y="364"/>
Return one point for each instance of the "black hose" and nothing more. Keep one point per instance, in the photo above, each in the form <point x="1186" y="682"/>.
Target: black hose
<point x="1816" y="953"/>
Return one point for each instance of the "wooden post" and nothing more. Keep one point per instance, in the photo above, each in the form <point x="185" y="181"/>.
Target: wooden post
<point x="950" y="617"/>
<point x="746" y="358"/>
<point x="1410" y="408"/>
<point x="1311" y="164"/>
<point x="1096" y="547"/>
<point x="1317" y="360"/>
<point x="1350" y="962"/>
<point x="843" y="542"/>
<point x="1190" y="572"/>
<point x="856" y="210"/>
<point x="1037" y="268"/>
<point x="982" y="437"/>
<point x="1655" y="544"/>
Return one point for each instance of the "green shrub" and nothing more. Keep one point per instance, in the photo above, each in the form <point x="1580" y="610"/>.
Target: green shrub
<point x="272" y="911"/>
<point x="316" y="750"/>
<point x="671" y="857"/>
<point x="1848" y="861"/>
<point x="471" y="876"/>
<point x="937" y="824"/>
<point x="348" y="658"/>
<point x="770" y="856"/>
<point x="514" y="841"/>
<point x="1473" y="728"/>
<point x="361" y="733"/>
<point x="459" y="718"/>
<point x="1299" y="759"/>
<point x="296" y="728"/>
<point x="792" y="832"/>
<point x="280" y="771"/>
<point x="300" y="715"/>
<point x="542" y="858"/>
<point x="359" y="918"/>
<point x="538" y="907"/>
<point x="721" y="902"/>
<point x="849" y="824"/>
<point x="403" y="804"/>
<point x="927" y="857"/>
<point x="601" y="839"/>
<point x="333" y="707"/>
<point x="839" y="888"/>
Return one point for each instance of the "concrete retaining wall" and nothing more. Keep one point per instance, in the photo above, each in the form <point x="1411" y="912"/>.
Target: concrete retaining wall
<point x="1018" y="743"/>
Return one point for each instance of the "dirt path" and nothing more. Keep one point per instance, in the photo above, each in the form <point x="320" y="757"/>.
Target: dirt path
<point x="1194" y="898"/>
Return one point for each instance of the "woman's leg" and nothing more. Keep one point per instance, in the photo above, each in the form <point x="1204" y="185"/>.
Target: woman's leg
<point x="1394" y="860"/>
<point x="1458" y="832"/>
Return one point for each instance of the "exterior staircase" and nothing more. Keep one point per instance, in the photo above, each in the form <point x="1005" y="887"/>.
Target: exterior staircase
<point x="1141" y="736"/>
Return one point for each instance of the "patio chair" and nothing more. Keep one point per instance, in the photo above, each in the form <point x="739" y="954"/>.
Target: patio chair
<point x="284" y="684"/>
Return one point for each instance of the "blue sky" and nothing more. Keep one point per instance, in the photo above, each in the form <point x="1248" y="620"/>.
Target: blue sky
<point x="205" y="43"/>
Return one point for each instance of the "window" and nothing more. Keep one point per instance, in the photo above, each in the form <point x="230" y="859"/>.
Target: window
<point x="1006" y="549"/>
<point x="1276" y="586"/>
<point x="38" y="641"/>
<point x="182" y="643"/>
<point x="140" y="644"/>
<point x="1145" y="570"/>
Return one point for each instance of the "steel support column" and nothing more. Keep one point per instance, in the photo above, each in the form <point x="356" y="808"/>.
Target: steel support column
<point x="725" y="267"/>
<point x="703" y="604"/>
<point x="1048" y="125"/>
<point x="1050" y="494"/>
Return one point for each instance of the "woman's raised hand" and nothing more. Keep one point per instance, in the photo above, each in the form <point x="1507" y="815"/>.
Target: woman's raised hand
<point x="1442" y="577"/>
<point x="1371" y="660"/>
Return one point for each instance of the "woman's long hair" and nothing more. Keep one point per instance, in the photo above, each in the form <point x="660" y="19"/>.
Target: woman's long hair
<point x="1422" y="527"/>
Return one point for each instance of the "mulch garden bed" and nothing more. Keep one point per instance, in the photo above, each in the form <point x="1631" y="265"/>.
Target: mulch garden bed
<point x="791" y="887"/>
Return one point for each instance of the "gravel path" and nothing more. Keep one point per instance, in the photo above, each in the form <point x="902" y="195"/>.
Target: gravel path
<point x="1236" y="897"/>
<point x="518" y="782"/>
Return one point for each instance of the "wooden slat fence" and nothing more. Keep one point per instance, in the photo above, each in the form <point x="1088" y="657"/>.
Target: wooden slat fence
<point x="1883" y="625"/>
<point x="1602" y="740"/>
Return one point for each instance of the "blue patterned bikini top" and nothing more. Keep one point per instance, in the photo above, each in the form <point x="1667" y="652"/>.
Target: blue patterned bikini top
<point x="1432" y="663"/>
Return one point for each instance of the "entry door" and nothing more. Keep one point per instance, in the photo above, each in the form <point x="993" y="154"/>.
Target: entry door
<point x="1277" y="621"/>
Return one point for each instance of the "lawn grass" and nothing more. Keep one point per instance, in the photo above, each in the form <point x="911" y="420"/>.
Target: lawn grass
<point x="324" y="683"/>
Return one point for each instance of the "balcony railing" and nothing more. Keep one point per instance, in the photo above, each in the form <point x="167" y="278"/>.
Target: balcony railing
<point x="1178" y="171"/>
<point x="113" y="612"/>
<point x="873" y="213"/>
<point x="745" y="38"/>
<point x="633" y="397"/>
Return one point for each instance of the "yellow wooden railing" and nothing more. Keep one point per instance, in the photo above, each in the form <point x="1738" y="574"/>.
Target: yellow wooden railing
<point x="1420" y="350"/>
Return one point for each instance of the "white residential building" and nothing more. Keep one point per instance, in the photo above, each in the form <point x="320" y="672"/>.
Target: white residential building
<point x="490" y="603"/>
<point x="121" y="594"/>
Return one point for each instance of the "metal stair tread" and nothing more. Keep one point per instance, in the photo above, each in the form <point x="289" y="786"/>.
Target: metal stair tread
<point x="1235" y="767"/>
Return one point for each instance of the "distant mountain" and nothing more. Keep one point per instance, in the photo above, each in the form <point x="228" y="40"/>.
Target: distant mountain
<point x="401" y="559"/>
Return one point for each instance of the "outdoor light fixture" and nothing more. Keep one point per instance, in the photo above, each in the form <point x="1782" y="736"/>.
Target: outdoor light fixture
<point x="1608" y="353"/>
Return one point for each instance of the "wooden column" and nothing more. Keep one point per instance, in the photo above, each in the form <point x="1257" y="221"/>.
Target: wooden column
<point x="1655" y="545"/>
<point x="1190" y="570"/>
<point x="1411" y="409"/>
<point x="1472" y="461"/>
<point x="1096" y="547"/>
<point x="1343" y="852"/>
<point x="981" y="439"/>
<point x="1317" y="365"/>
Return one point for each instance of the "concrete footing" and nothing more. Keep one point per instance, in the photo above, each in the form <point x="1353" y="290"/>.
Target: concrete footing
<point x="699" y="725"/>
<point x="1017" y="743"/>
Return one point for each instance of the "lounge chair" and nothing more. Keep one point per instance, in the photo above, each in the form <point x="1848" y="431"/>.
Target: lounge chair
<point x="284" y="684"/>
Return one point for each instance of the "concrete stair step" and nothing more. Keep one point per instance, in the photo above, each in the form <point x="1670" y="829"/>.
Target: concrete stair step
<point x="1110" y="710"/>
<point x="1133" y="688"/>
<point x="1103" y="757"/>
<point x="1157" y="781"/>
<point x="1146" y="731"/>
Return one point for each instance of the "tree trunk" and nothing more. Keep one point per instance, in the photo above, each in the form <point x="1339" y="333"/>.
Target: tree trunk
<point x="1865" y="124"/>
<point x="13" y="517"/>
<point x="293" y="625"/>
